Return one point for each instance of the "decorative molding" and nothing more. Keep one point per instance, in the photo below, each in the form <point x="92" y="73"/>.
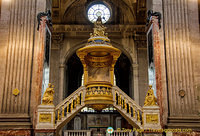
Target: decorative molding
<point x="57" y="37"/>
<point x="15" y="92"/>
<point x="88" y="28"/>
<point x="181" y="93"/>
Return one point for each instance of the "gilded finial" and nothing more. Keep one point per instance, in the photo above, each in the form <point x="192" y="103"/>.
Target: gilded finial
<point x="48" y="95"/>
<point x="150" y="99"/>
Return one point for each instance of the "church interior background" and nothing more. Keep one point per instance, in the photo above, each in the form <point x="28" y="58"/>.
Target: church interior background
<point x="77" y="67"/>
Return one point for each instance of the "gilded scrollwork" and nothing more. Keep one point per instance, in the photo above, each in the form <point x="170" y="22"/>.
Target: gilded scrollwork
<point x="104" y="91"/>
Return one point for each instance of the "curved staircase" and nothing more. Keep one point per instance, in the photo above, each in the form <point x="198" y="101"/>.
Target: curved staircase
<point x="70" y="106"/>
<point x="139" y="117"/>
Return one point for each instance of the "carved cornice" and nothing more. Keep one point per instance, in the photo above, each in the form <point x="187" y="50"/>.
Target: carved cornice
<point x="57" y="28"/>
<point x="137" y="31"/>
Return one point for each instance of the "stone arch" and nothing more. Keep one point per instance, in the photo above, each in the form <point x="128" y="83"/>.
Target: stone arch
<point x="72" y="50"/>
<point x="125" y="51"/>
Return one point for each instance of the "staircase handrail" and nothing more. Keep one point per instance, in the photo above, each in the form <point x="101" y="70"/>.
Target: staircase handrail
<point x="116" y="88"/>
<point x="71" y="96"/>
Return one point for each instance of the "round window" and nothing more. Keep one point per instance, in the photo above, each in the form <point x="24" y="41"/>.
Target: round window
<point x="97" y="10"/>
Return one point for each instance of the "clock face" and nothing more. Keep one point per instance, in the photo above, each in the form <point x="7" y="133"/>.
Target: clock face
<point x="97" y="10"/>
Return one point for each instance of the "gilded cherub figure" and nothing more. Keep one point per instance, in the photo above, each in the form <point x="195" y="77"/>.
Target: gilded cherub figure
<point x="150" y="99"/>
<point x="48" y="95"/>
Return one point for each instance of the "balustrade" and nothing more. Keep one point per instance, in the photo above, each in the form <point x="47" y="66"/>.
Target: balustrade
<point x="127" y="106"/>
<point x="77" y="133"/>
<point x="69" y="106"/>
<point x="121" y="133"/>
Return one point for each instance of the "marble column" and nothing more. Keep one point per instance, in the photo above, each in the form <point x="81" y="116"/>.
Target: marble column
<point x="61" y="95"/>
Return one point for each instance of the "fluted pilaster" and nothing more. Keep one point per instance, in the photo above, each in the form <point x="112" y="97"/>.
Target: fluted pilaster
<point x="178" y="55"/>
<point x="19" y="55"/>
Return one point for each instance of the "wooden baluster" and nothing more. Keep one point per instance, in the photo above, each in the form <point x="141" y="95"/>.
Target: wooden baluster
<point x="138" y="115"/>
<point x="75" y="103"/>
<point x="63" y="111"/>
<point x="81" y="97"/>
<point x="118" y="99"/>
<point x="133" y="111"/>
<point x="72" y="105"/>
<point x="58" y="116"/>
<point x="78" y="99"/>
<point x="67" y="107"/>
<point x="125" y="105"/>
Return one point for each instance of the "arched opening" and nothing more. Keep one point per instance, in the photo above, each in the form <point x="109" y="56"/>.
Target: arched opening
<point x="73" y="74"/>
<point x="123" y="74"/>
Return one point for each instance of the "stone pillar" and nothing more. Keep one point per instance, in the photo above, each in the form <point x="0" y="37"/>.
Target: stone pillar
<point x="61" y="82"/>
<point x="45" y="120"/>
<point x="135" y="83"/>
<point x="157" y="6"/>
<point x="180" y="64"/>
<point x="155" y="25"/>
<point x="151" y="120"/>
<point x="151" y="116"/>
<point x="20" y="55"/>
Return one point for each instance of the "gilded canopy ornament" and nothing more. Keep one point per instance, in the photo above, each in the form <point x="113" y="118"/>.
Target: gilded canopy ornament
<point x="150" y="99"/>
<point x="99" y="29"/>
<point x="48" y="95"/>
